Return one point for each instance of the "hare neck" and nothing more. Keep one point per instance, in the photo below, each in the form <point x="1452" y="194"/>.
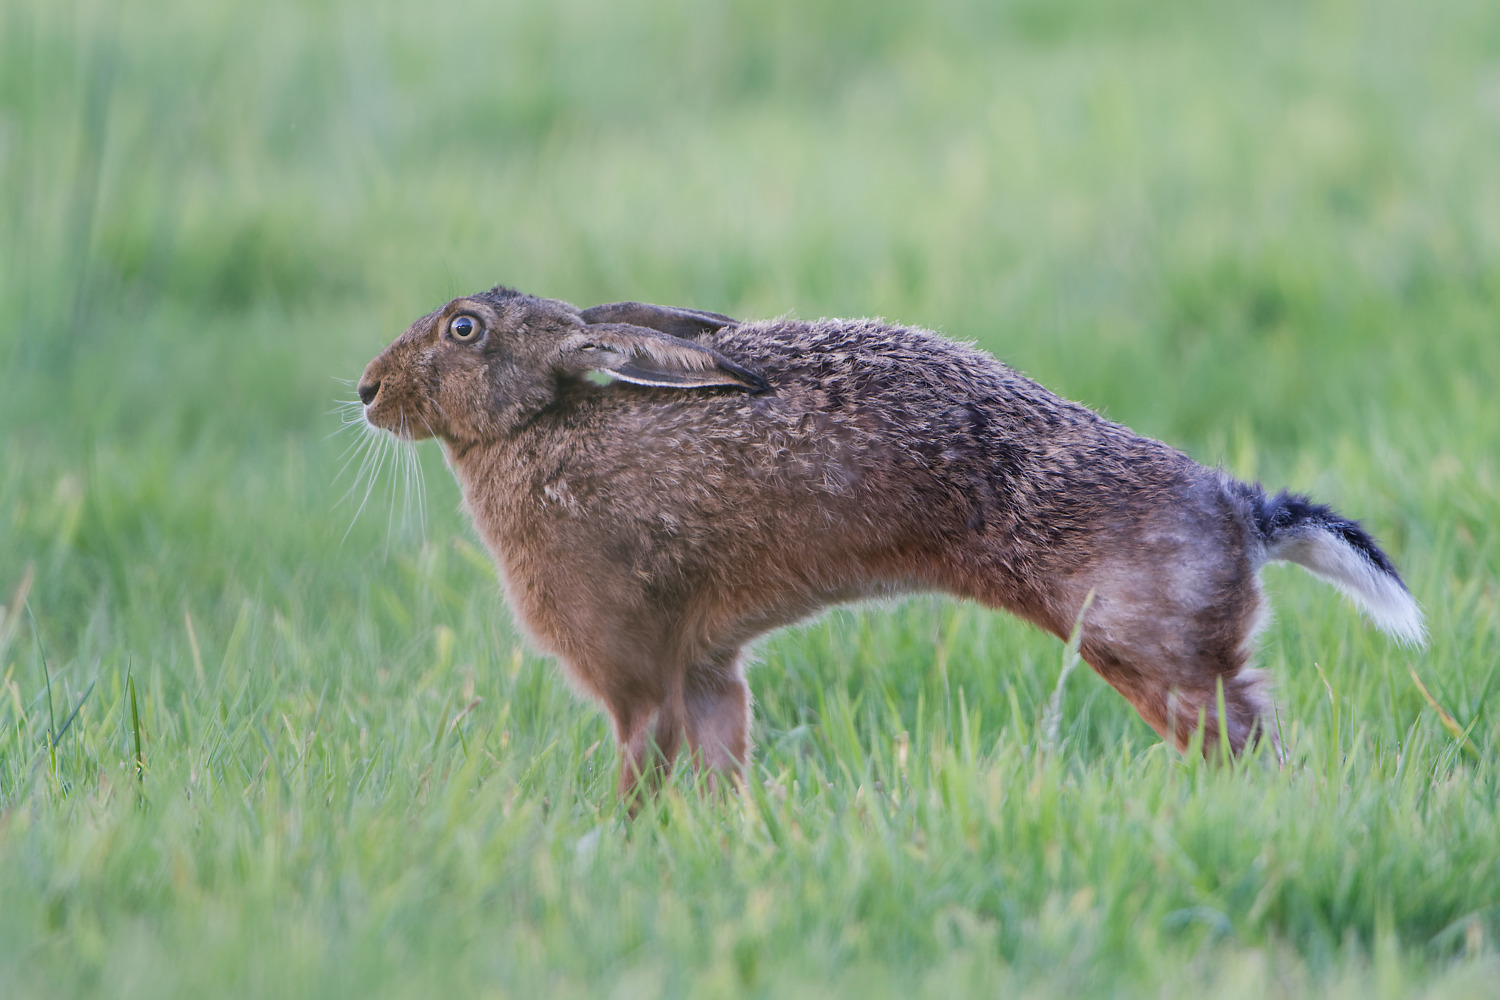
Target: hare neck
<point x="488" y="476"/>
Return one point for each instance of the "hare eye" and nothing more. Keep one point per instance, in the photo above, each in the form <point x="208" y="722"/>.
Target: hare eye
<point x="465" y="329"/>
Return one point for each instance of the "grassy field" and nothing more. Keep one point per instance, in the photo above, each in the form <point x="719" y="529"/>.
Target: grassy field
<point x="254" y="744"/>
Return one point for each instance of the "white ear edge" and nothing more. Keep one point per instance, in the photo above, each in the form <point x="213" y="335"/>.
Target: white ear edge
<point x="638" y="376"/>
<point x="646" y="357"/>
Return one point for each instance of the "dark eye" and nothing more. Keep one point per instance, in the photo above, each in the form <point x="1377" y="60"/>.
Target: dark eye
<point x="465" y="329"/>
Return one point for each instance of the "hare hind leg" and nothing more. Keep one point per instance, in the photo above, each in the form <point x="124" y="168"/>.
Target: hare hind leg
<point x="1176" y="655"/>
<point x="1183" y="698"/>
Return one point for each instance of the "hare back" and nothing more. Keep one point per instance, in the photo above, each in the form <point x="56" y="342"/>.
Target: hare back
<point x="881" y="460"/>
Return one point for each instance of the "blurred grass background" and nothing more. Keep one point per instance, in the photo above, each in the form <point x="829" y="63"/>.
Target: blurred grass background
<point x="1268" y="233"/>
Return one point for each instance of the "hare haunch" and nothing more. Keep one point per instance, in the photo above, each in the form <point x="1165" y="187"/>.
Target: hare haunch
<point x="735" y="477"/>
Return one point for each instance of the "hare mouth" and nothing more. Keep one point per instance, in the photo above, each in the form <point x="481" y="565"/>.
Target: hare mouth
<point x="398" y="423"/>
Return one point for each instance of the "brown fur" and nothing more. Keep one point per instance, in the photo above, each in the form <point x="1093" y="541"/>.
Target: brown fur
<point x="646" y="533"/>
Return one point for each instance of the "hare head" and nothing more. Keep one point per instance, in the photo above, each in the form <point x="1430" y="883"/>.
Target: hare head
<point x="483" y="364"/>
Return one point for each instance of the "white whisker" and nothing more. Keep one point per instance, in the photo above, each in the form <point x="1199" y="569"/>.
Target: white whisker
<point x="349" y="454"/>
<point x="350" y="412"/>
<point x="370" y="452"/>
<point x="370" y="471"/>
<point x="421" y="483"/>
<point x="361" y="448"/>
<point x="395" y="443"/>
<point x="403" y="450"/>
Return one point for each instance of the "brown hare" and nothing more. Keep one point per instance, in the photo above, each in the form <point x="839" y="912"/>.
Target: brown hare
<point x="732" y="478"/>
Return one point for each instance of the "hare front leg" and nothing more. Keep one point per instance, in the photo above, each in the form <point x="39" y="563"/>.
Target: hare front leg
<point x="718" y="714"/>
<point x="649" y="731"/>
<point x="709" y="706"/>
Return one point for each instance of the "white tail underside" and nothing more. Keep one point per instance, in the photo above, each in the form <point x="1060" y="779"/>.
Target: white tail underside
<point x="1378" y="594"/>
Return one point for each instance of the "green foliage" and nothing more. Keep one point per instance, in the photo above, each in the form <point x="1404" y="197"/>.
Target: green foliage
<point x="1268" y="233"/>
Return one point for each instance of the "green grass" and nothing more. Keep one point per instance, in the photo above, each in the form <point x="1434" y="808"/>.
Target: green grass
<point x="1267" y="233"/>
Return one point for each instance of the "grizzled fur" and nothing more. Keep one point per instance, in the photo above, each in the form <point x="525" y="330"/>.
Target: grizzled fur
<point x="738" y="477"/>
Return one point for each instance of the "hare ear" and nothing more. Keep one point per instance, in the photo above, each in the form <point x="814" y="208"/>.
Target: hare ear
<point x="646" y="357"/>
<point x="663" y="319"/>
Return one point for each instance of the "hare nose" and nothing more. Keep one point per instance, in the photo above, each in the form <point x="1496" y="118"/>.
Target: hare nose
<point x="367" y="391"/>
